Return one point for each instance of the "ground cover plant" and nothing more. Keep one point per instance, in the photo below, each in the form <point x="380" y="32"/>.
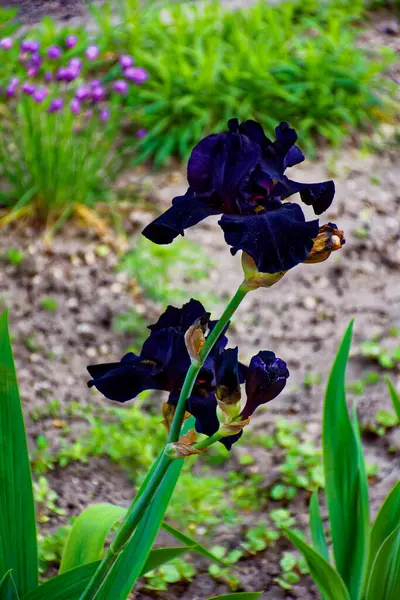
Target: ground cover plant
<point x="185" y="354"/>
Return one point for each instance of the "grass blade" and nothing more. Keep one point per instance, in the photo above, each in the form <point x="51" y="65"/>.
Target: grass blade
<point x="394" y="397"/>
<point x="18" y="550"/>
<point x="328" y="580"/>
<point x="384" y="581"/>
<point x="87" y="537"/>
<point x="8" y="591"/>
<point x="385" y="522"/>
<point x="345" y="481"/>
<point x="317" y="528"/>
<point x="196" y="547"/>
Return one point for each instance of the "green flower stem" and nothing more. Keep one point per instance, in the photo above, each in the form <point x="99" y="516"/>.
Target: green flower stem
<point x="209" y="441"/>
<point x="159" y="469"/>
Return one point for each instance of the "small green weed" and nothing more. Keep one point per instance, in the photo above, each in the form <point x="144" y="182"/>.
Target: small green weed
<point x="225" y="574"/>
<point x="50" y="548"/>
<point x="13" y="256"/>
<point x="293" y="566"/>
<point x="173" y="571"/>
<point x="384" y="420"/>
<point x="358" y="386"/>
<point x="45" y="499"/>
<point x="48" y="303"/>
<point x="376" y="350"/>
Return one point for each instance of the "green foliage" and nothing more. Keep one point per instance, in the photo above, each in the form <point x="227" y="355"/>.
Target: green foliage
<point x="48" y="303"/>
<point x="13" y="256"/>
<point x="292" y="566"/>
<point x="8" y="591"/>
<point x="18" y="550"/>
<point x="87" y="537"/>
<point x="270" y="77"/>
<point x="50" y="548"/>
<point x="376" y="350"/>
<point x="366" y="559"/>
<point x="173" y="571"/>
<point x="45" y="499"/>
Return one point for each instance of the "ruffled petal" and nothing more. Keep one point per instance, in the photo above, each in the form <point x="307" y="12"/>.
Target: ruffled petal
<point x="277" y="240"/>
<point x="201" y="162"/>
<point x="185" y="212"/>
<point x="317" y="195"/>
<point x="182" y="317"/>
<point x="123" y="381"/>
<point x="266" y="379"/>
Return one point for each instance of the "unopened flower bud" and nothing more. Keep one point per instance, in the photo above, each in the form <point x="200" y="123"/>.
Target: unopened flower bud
<point x="195" y="338"/>
<point x="70" y="41"/>
<point x="253" y="278"/>
<point x="6" y="43"/>
<point x="92" y="52"/>
<point x="329" y="239"/>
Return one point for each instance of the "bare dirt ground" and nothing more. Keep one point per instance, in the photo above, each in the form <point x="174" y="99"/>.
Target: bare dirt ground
<point x="302" y="319"/>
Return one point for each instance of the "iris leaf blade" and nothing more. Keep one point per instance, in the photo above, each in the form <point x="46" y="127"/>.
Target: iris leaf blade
<point x="87" y="537"/>
<point x="345" y="481"/>
<point x="327" y="579"/>
<point x="18" y="548"/>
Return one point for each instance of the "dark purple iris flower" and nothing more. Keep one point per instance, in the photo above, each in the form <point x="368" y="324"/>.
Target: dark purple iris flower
<point x="241" y="175"/>
<point x="163" y="360"/>
<point x="163" y="363"/>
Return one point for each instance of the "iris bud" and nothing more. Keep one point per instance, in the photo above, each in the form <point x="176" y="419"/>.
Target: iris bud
<point x="195" y="338"/>
<point x="253" y="278"/>
<point x="329" y="239"/>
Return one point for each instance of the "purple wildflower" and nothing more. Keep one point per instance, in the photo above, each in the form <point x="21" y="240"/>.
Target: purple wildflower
<point x="95" y="83"/>
<point x="55" y="105"/>
<point x="75" y="63"/>
<point x="40" y="95"/>
<point x="32" y="72"/>
<point x="71" y="41"/>
<point x="105" y="115"/>
<point x="136" y="74"/>
<point x="141" y="133"/>
<point x="48" y="76"/>
<point x="126" y="61"/>
<point x="28" y="88"/>
<point x="35" y="60"/>
<point x="92" y="52"/>
<point x="30" y="46"/>
<point x="12" y="87"/>
<point x="98" y="93"/>
<point x="54" y="52"/>
<point x="75" y="106"/>
<point x="121" y="87"/>
<point x="82" y="93"/>
<point x="6" y="43"/>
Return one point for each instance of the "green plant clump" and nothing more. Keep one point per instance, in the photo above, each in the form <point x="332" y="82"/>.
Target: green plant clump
<point x="291" y="61"/>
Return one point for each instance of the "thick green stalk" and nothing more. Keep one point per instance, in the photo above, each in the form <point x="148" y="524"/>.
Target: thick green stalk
<point x="151" y="484"/>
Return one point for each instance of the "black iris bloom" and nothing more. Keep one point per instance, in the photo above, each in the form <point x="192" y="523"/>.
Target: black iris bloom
<point x="241" y="175"/>
<point x="163" y="363"/>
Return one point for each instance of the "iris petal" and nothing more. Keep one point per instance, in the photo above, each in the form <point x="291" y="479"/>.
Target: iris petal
<point x="277" y="240"/>
<point x="125" y="380"/>
<point x="180" y="317"/>
<point x="185" y="212"/>
<point x="317" y="195"/>
<point x="227" y="373"/>
<point x="204" y="410"/>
